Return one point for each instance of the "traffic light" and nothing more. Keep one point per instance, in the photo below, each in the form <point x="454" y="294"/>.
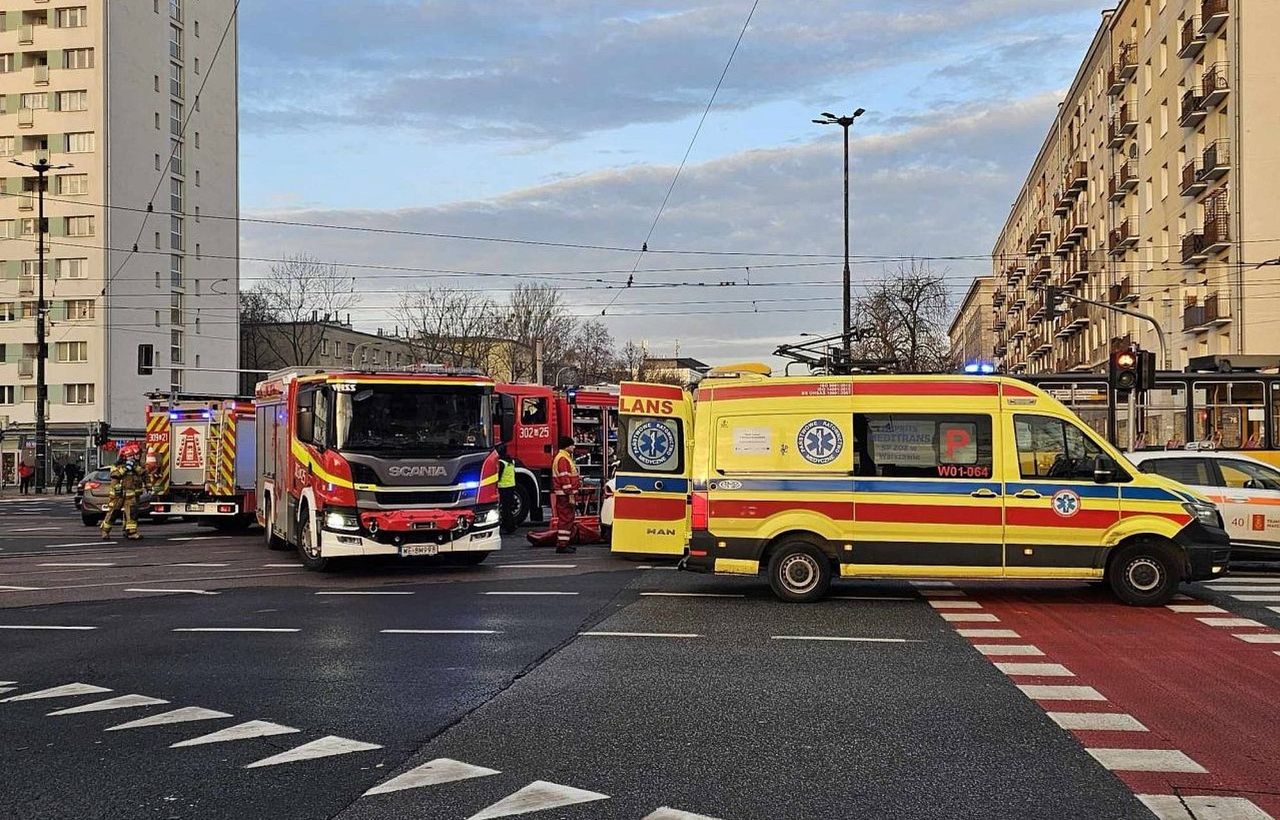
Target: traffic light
<point x="1146" y="368"/>
<point x="1050" y="303"/>
<point x="101" y="434"/>
<point x="1123" y="374"/>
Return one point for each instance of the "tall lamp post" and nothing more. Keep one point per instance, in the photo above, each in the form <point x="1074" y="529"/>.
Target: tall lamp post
<point x="844" y="123"/>
<point x="41" y="167"/>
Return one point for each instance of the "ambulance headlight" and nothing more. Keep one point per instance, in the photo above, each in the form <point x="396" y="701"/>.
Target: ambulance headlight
<point x="343" y="519"/>
<point x="1204" y="512"/>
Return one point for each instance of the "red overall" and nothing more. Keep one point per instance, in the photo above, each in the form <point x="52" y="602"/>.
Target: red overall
<point x="565" y="482"/>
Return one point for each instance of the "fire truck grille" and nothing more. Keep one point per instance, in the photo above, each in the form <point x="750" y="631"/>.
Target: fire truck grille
<point x="440" y="498"/>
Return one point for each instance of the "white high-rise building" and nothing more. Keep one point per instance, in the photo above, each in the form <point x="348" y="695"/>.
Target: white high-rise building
<point x="110" y="89"/>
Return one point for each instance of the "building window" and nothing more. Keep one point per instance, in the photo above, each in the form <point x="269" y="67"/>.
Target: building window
<point x="31" y="266"/>
<point x="6" y="63"/>
<point x="1164" y="55"/>
<point x="7" y="312"/>
<point x="175" y="80"/>
<point x="175" y="233"/>
<point x="175" y="42"/>
<point x="6" y="146"/>
<point x="29" y="227"/>
<point x="73" y="100"/>
<point x="80" y="142"/>
<point x="73" y="352"/>
<point x="73" y="17"/>
<point x="72" y="184"/>
<point x="175" y="346"/>
<point x="77" y="58"/>
<point x="7" y="393"/>
<point x="1164" y="117"/>
<point x="8" y="229"/>
<point x="80" y="309"/>
<point x="72" y="268"/>
<point x="77" y="393"/>
<point x="175" y="156"/>
<point x="175" y="309"/>
<point x="28" y="392"/>
<point x="175" y="118"/>
<point x="175" y="195"/>
<point x="175" y="271"/>
<point x="197" y="65"/>
<point x="79" y="226"/>
<point x="36" y="101"/>
<point x="175" y="10"/>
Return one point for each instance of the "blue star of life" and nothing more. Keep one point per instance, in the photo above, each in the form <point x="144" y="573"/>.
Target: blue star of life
<point x="652" y="443"/>
<point x="820" y="441"/>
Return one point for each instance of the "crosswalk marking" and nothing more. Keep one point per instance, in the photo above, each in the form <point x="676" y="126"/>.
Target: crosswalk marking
<point x="65" y="691"/>
<point x="931" y="583"/>
<point x="184" y="715"/>
<point x="969" y="617"/>
<point x="1202" y="807"/>
<point x="1261" y="599"/>
<point x="1243" y="579"/>
<point x="1195" y="609"/>
<point x="1052" y="692"/>
<point x="120" y="702"/>
<point x="866" y="598"/>
<point x="1259" y="637"/>
<point x="1145" y="760"/>
<point x="987" y="633"/>
<point x="1044" y="670"/>
<point x="667" y="813"/>
<point x="955" y="605"/>
<point x="1007" y="649"/>
<point x="1249" y="588"/>
<point x="1097" y="721"/>
<point x="537" y="796"/>
<point x="434" y="773"/>
<point x="324" y="747"/>
<point x="241" y="731"/>
<point x="1229" y="622"/>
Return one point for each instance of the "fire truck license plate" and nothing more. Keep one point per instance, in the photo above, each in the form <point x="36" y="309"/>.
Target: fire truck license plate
<point x="195" y="508"/>
<point x="410" y="550"/>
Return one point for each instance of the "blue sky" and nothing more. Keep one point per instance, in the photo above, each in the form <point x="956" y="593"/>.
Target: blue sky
<point x="564" y="120"/>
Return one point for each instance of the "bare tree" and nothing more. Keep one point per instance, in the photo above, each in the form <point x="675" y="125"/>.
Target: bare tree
<point x="630" y="362"/>
<point x="459" y="328"/>
<point x="300" y="290"/>
<point x="904" y="316"/>
<point x="591" y="353"/>
<point x="536" y="313"/>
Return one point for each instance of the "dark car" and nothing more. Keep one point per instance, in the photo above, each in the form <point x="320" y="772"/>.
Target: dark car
<point x="91" y="497"/>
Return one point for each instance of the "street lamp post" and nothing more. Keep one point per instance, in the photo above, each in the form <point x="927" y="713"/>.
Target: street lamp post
<point x="844" y="123"/>
<point x="41" y="167"/>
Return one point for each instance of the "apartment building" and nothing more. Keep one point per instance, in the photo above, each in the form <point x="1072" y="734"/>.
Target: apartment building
<point x="327" y="342"/>
<point x="141" y="241"/>
<point x="971" y="335"/>
<point x="1154" y="191"/>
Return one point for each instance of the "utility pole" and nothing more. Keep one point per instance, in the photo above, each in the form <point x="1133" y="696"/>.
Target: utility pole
<point x="42" y="167"/>
<point x="846" y="327"/>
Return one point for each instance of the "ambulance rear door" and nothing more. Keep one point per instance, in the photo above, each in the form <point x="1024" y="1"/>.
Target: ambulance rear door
<point x="655" y="445"/>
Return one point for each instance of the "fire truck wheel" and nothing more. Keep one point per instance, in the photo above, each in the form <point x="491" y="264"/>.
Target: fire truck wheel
<point x="308" y="548"/>
<point x="798" y="571"/>
<point x="274" y="542"/>
<point x="524" y="496"/>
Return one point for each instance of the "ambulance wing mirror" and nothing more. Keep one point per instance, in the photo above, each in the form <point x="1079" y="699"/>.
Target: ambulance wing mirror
<point x="506" y="417"/>
<point x="1103" y="469"/>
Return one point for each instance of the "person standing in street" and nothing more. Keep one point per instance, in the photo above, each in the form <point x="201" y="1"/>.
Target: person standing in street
<point x="128" y="480"/>
<point x="506" y="490"/>
<point x="565" y="483"/>
<point x="25" y="473"/>
<point x="59" y="476"/>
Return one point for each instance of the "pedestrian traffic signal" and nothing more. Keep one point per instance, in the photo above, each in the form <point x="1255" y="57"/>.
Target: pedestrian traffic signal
<point x="1124" y="370"/>
<point x="1050" y="303"/>
<point x="1146" y="369"/>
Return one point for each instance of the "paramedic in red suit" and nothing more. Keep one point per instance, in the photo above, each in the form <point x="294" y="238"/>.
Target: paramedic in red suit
<point x="565" y="483"/>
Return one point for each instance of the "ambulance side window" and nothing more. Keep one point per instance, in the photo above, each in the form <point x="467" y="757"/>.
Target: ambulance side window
<point x="922" y="445"/>
<point x="650" y="445"/>
<point x="1056" y="449"/>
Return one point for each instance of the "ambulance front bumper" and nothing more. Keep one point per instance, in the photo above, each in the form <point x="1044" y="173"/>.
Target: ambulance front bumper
<point x="1208" y="551"/>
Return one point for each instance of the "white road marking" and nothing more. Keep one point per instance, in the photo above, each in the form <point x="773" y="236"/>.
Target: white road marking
<point x="969" y="617"/>
<point x="120" y="702"/>
<point x="36" y="529"/>
<point x="1262" y="599"/>
<point x="693" y="595"/>
<point x="1043" y="670"/>
<point x="4" y="689"/>
<point x="642" y="566"/>
<point x="1046" y="692"/>
<point x="48" y="627"/>
<point x="987" y="633"/>
<point x="85" y="544"/>
<point x="1202" y="807"/>
<point x="198" y="538"/>
<point x="869" y="598"/>
<point x="233" y="629"/>
<point x="241" y="731"/>
<point x="536" y="566"/>
<point x="1275" y="609"/>
<point x="955" y="605"/>
<point x="174" y="591"/>
<point x="668" y="813"/>
<point x="1244" y="579"/>
<point x="65" y="691"/>
<point x="1145" y="760"/>
<point x="1194" y="609"/>
<point x="283" y="566"/>
<point x="439" y="631"/>
<point x="1229" y="622"/>
<point x="434" y="773"/>
<point x="94" y="564"/>
<point x="1250" y="588"/>
<point x="840" y="638"/>
<point x="327" y="746"/>
<point x="20" y="589"/>
<point x="640" y="634"/>
<point x="1007" y="649"/>
<point x="931" y="583"/>
<point x="1259" y="637"/>
<point x="1097" y="721"/>
<point x="537" y="796"/>
<point x="184" y="715"/>
<point x="360" y="592"/>
<point x="199" y="565"/>
<point x="943" y="593"/>
<point x="529" y="593"/>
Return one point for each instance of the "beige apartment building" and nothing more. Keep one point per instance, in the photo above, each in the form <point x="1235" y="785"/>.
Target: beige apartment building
<point x="971" y="335"/>
<point x="1155" y="190"/>
<point x="141" y="243"/>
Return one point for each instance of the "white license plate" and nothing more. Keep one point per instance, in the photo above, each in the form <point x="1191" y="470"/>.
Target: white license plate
<point x="195" y="508"/>
<point x="410" y="550"/>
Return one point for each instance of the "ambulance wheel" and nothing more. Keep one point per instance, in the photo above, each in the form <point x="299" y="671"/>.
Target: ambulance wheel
<point x="309" y="546"/>
<point x="274" y="542"/>
<point x="1144" y="574"/>
<point x="798" y="571"/>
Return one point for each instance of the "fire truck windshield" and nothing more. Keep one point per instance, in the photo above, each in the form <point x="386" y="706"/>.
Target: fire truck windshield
<point x="412" y="419"/>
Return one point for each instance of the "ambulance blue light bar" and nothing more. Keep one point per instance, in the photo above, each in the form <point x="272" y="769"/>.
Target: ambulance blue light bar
<point x="979" y="368"/>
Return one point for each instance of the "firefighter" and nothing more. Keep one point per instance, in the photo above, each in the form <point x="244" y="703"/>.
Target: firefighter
<point x="565" y="483"/>
<point x="128" y="480"/>
<point x="506" y="490"/>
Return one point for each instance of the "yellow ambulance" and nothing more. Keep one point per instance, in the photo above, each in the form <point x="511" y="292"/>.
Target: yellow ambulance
<point x="873" y="476"/>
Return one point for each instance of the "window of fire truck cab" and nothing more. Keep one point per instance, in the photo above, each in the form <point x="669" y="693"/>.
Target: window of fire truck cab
<point x="533" y="410"/>
<point x="413" y="419"/>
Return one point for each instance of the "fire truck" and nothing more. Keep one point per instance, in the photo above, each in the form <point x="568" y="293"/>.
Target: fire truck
<point x="200" y="451"/>
<point x="540" y="416"/>
<point x="358" y="463"/>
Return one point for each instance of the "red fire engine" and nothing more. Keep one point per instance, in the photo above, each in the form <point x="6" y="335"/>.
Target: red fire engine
<point x="364" y="463"/>
<point x="540" y="416"/>
<point x="200" y="451"/>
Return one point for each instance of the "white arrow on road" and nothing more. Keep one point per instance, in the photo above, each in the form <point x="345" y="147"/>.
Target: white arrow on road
<point x="241" y="731"/>
<point x="438" y="771"/>
<point x="324" y="747"/>
<point x="65" y="691"/>
<point x="537" y="796"/>
<point x="183" y="715"/>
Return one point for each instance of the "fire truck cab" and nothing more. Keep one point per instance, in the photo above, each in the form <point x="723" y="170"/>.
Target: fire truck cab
<point x="357" y="463"/>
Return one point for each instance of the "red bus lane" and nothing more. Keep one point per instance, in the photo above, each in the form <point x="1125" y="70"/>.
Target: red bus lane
<point x="1179" y="701"/>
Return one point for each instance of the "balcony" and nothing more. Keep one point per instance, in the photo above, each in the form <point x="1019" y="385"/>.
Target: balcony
<point x="1077" y="176"/>
<point x="1192" y="110"/>
<point x="1120" y="127"/>
<point x="1192" y="184"/>
<point x="1062" y="204"/>
<point x="1125" y="66"/>
<point x="1124" y="237"/>
<point x="1216" y="160"/>
<point x="26" y="201"/>
<point x="26" y="34"/>
<point x="1193" y="248"/>
<point x="1217" y="232"/>
<point x="1192" y="42"/>
<point x="1213" y="15"/>
<point x="1043" y="269"/>
<point x="998" y="323"/>
<point x="1016" y="273"/>
<point x="42" y="74"/>
<point x="1215" y="85"/>
<point x="1215" y="311"/>
<point x="997" y="300"/>
<point x="1121" y="293"/>
<point x="26" y="117"/>
<point x="1123" y="182"/>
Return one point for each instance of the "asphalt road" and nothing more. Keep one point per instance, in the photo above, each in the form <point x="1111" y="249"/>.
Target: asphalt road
<point x="587" y="687"/>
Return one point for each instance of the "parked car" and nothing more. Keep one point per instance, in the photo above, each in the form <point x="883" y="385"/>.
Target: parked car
<point x="91" y="498"/>
<point x="1246" y="490"/>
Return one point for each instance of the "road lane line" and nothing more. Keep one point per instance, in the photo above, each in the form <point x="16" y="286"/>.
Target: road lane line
<point x="67" y="690"/>
<point x="184" y="715"/>
<point x="955" y="605"/>
<point x="198" y="566"/>
<point x="693" y="594"/>
<point x="931" y="583"/>
<point x="969" y="617"/>
<point x="37" y="529"/>
<point x="233" y="629"/>
<point x="241" y="731"/>
<point x="1097" y="721"/>
<point x="1205" y="807"/>
<point x="361" y="592"/>
<point x="282" y="566"/>
<point x="439" y="632"/>
<point x="514" y="565"/>
<point x="537" y="796"/>
<point x="327" y="746"/>
<point x="1007" y="649"/>
<point x="47" y="627"/>
<point x="198" y="538"/>
<point x="1259" y="637"/>
<point x="1039" y="670"/>
<point x="20" y="589"/>
<point x="174" y="591"/>
<point x="84" y="544"/>
<point x="434" y="773"/>
<point x="528" y="593"/>
<point x="170" y="580"/>
<point x="1058" y="692"/>
<point x="840" y="638"/>
<point x="1193" y="609"/>
<point x="1229" y="622"/>
<point x="640" y="634"/>
<point x="642" y="566"/>
<point x="1146" y="760"/>
<point x="119" y="702"/>
<point x="987" y="633"/>
<point x="81" y="564"/>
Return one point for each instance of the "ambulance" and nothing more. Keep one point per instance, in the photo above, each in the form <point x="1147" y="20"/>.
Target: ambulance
<point x="810" y="478"/>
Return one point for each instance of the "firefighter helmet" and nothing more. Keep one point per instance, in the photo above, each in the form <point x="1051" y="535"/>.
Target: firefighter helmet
<point x="130" y="450"/>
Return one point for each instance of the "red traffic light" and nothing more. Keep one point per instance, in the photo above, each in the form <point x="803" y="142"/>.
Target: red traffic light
<point x="1126" y="359"/>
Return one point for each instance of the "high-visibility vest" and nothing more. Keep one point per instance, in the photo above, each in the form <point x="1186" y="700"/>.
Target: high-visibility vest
<point x="506" y="474"/>
<point x="564" y="473"/>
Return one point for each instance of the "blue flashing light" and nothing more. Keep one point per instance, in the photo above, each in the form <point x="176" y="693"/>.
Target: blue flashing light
<point x="173" y="414"/>
<point x="979" y="368"/>
<point x="471" y="485"/>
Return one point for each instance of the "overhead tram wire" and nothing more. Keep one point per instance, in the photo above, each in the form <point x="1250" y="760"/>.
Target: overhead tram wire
<point x="644" y="246"/>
